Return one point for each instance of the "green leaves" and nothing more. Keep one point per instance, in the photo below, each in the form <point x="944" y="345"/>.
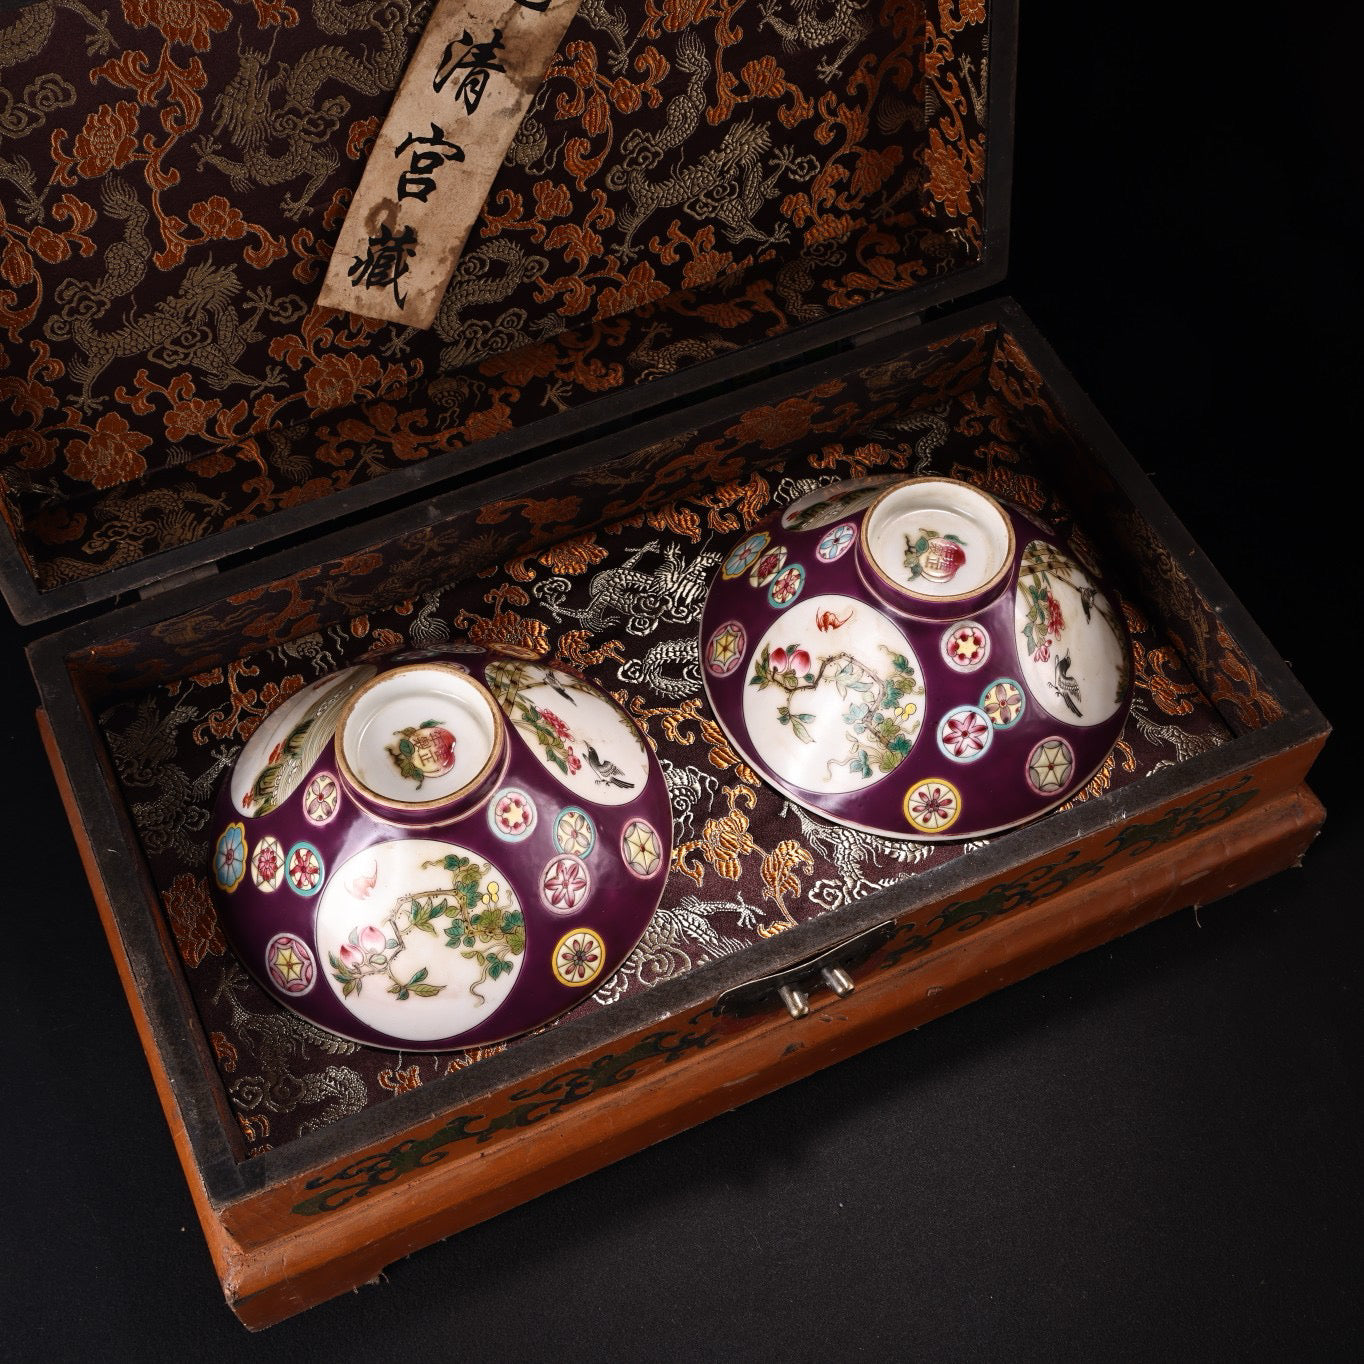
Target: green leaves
<point x="416" y="984"/>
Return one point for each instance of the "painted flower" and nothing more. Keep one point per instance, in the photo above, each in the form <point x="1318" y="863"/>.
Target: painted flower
<point x="574" y="832"/>
<point x="107" y="141"/>
<point x="112" y="455"/>
<point x="556" y="724"/>
<point x="305" y="871"/>
<point x="565" y="883"/>
<point x="1056" y="622"/>
<point x="965" y="732"/>
<point x="933" y="805"/>
<point x="787" y="585"/>
<point x="513" y="814"/>
<point x="229" y="857"/>
<point x="580" y="957"/>
<point x="188" y="22"/>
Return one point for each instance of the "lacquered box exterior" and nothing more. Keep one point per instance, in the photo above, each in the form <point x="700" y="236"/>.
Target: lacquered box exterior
<point x="293" y="1225"/>
<point x="385" y="1179"/>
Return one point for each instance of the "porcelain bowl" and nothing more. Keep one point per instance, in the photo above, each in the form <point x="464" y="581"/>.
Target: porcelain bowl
<point x="915" y="659"/>
<point x="444" y="850"/>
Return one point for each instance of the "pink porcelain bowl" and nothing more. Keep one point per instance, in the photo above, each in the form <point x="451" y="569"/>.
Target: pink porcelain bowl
<point x="443" y="851"/>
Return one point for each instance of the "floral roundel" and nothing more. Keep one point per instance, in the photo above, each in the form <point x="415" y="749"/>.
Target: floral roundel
<point x="512" y="814"/>
<point x="578" y="957"/>
<point x="932" y="807"/>
<point x="574" y="832"/>
<point x="304" y="868"/>
<point x="565" y="885"/>
<point x="267" y="864"/>
<point x="229" y="857"/>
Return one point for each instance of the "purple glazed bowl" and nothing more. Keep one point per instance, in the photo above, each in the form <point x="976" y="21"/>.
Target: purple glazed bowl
<point x="443" y="851"/>
<point x="915" y="659"/>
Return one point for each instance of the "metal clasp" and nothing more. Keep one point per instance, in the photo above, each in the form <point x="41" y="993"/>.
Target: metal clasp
<point x="793" y="985"/>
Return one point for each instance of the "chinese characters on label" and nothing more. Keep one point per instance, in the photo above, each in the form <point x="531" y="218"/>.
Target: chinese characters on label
<point x="459" y="104"/>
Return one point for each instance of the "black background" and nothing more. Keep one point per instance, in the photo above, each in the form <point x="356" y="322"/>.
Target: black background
<point x="1152" y="1150"/>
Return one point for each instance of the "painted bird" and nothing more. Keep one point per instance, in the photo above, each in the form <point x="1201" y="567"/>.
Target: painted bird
<point x="608" y="774"/>
<point x="1066" y="686"/>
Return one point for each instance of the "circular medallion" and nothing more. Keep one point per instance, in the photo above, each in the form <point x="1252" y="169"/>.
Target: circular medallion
<point x="767" y="565"/>
<point x="834" y="697"/>
<point x="836" y="542"/>
<point x="1072" y="645"/>
<point x="229" y="857"/>
<point x="641" y="848"/>
<point x="267" y="864"/>
<point x="1049" y="766"/>
<point x="743" y="554"/>
<point x="304" y="868"/>
<point x="833" y="502"/>
<point x="725" y="652"/>
<point x="585" y="741"/>
<point x="574" y="832"/>
<point x="786" y="586"/>
<point x="966" y="646"/>
<point x="565" y="884"/>
<point x="965" y="734"/>
<point x="512" y="814"/>
<point x="322" y="798"/>
<point x="290" y="964"/>
<point x="933" y="806"/>
<point x="1002" y="702"/>
<point x="423" y="939"/>
<point x="578" y="957"/>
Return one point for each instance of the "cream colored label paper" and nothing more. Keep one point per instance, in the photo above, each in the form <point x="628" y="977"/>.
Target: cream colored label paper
<point x="476" y="69"/>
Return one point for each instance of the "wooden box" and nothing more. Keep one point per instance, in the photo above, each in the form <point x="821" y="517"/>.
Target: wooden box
<point x="314" y="1167"/>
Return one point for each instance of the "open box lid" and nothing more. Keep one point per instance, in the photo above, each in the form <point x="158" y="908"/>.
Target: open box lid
<point x="691" y="199"/>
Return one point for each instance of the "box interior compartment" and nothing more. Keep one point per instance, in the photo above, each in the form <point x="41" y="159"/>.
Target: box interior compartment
<point x="171" y="201"/>
<point x="541" y="565"/>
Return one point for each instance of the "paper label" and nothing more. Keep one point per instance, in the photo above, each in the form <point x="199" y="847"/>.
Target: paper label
<point x="476" y="69"/>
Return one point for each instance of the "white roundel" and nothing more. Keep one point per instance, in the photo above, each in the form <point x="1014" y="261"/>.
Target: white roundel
<point x="420" y="939"/>
<point x="583" y="739"/>
<point x="1072" y="649"/>
<point x="828" y="709"/>
<point x="289" y="740"/>
<point x="831" y="503"/>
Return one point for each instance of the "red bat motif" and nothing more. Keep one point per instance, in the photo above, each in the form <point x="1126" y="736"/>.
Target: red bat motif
<point x="826" y="620"/>
<point x="362" y="886"/>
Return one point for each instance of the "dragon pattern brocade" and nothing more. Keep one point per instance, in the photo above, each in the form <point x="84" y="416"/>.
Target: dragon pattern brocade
<point x="615" y="603"/>
<point x="173" y="173"/>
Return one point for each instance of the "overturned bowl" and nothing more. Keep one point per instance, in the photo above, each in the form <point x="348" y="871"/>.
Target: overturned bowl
<point x="915" y="659"/>
<point x="444" y="851"/>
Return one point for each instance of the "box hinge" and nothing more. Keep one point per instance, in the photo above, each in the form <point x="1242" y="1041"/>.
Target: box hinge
<point x="793" y="985"/>
<point x="177" y="580"/>
<point x="895" y="327"/>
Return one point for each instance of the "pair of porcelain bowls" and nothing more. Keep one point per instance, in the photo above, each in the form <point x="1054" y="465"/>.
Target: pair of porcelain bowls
<point x="454" y="847"/>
